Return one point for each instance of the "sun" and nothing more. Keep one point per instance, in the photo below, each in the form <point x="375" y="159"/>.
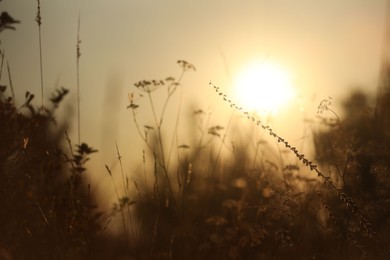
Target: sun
<point x="263" y="88"/>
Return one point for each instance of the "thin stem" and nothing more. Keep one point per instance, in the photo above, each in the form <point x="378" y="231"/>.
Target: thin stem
<point x="119" y="157"/>
<point x="334" y="113"/>
<point x="160" y="141"/>
<point x="78" y="55"/>
<point x="158" y="132"/>
<point x="2" y="62"/>
<point x="38" y="19"/>
<point x="153" y="109"/>
<point x="125" y="189"/>
<point x="144" y="170"/>
<point x="220" y="147"/>
<point x="138" y="128"/>
<point x="177" y="118"/>
<point x="202" y="128"/>
<point x="10" y="84"/>
<point x="255" y="157"/>
<point x="120" y="207"/>
<point x="170" y="93"/>
<point x="41" y="68"/>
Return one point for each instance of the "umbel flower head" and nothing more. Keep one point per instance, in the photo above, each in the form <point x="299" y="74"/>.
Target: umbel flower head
<point x="186" y="65"/>
<point x="149" y="85"/>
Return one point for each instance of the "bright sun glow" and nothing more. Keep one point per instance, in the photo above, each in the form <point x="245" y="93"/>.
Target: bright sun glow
<point x="264" y="88"/>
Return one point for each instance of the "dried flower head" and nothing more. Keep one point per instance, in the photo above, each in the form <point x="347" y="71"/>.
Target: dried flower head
<point x="324" y="105"/>
<point x="186" y="65"/>
<point x="149" y="86"/>
<point x="78" y="52"/>
<point x="131" y="97"/>
<point x="38" y="18"/>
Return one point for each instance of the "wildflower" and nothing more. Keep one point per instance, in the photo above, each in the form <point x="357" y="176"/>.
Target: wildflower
<point x="186" y="65"/>
<point x="131" y="100"/>
<point x="149" y="86"/>
<point x="324" y="105"/>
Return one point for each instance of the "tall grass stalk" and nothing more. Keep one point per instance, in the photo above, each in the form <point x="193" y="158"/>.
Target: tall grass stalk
<point x="203" y="127"/>
<point x="10" y="84"/>
<point x="222" y="143"/>
<point x="126" y="191"/>
<point x="121" y="209"/>
<point x="78" y="55"/>
<point x="350" y="203"/>
<point x="73" y="166"/>
<point x="2" y="54"/>
<point x="144" y="169"/>
<point x="38" y="19"/>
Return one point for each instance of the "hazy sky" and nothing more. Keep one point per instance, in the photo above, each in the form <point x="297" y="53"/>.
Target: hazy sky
<point x="327" y="46"/>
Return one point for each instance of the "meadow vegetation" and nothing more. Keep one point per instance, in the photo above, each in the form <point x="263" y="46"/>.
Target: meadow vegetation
<point x="188" y="200"/>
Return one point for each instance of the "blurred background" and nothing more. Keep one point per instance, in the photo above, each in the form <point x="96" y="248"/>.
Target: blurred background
<point x="328" y="49"/>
